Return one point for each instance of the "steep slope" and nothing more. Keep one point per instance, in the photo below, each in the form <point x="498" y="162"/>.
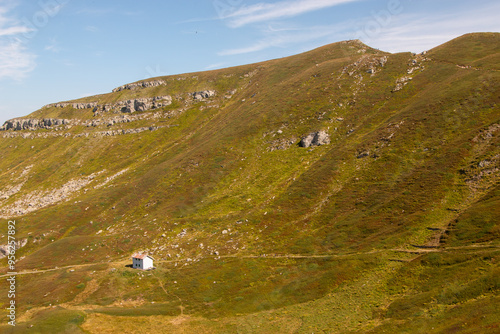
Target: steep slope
<point x="206" y="172"/>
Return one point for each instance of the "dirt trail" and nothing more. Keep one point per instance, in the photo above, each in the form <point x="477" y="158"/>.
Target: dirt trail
<point x="171" y="294"/>
<point x="418" y="251"/>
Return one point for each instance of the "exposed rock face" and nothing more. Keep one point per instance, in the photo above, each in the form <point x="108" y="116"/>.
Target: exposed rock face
<point x="84" y="105"/>
<point x="18" y="124"/>
<point x="139" y="85"/>
<point x="141" y="104"/>
<point x="315" y="139"/>
<point x="203" y="94"/>
<point x="146" y="104"/>
<point x="5" y="249"/>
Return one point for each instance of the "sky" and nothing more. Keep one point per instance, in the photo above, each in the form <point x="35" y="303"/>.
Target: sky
<point x="58" y="50"/>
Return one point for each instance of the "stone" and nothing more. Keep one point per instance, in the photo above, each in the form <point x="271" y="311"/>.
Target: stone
<point x="307" y="140"/>
<point x="363" y="154"/>
<point x="315" y="139"/>
<point x="321" y="138"/>
<point x="203" y="94"/>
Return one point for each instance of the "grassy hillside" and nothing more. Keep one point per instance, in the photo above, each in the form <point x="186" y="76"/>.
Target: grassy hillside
<point x="391" y="227"/>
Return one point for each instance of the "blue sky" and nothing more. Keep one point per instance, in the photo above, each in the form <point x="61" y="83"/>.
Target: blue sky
<point x="56" y="50"/>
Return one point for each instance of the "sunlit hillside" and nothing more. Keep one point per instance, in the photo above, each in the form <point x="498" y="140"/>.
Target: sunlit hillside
<point x="342" y="190"/>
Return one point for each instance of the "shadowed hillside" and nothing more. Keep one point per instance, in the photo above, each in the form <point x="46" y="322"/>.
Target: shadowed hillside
<point x="342" y="190"/>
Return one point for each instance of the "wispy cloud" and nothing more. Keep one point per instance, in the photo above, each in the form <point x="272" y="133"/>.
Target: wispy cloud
<point x="15" y="60"/>
<point x="284" y="37"/>
<point x="262" y="12"/>
<point x="412" y="32"/>
<point x="53" y="46"/>
<point x="14" y="30"/>
<point x="91" y="29"/>
<point x="402" y="32"/>
<point x="214" y="66"/>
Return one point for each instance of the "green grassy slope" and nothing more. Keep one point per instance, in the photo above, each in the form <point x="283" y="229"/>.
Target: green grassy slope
<point x="392" y="227"/>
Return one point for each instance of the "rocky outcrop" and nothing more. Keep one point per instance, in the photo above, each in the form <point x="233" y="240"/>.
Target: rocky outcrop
<point x="125" y="131"/>
<point x="202" y="95"/>
<point x="366" y="63"/>
<point x="144" y="104"/>
<point x="59" y="134"/>
<point x="111" y="133"/>
<point x="315" y="139"/>
<point x="35" y="134"/>
<point x="128" y="118"/>
<point x="5" y="250"/>
<point x="401" y="82"/>
<point x="139" y="85"/>
<point x="18" y="124"/>
<point x="141" y="104"/>
<point x="82" y="105"/>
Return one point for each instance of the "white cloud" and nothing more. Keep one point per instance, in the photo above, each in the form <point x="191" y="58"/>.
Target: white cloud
<point x="270" y="11"/>
<point x="406" y="31"/>
<point x="15" y="60"/>
<point x="411" y="32"/>
<point x="14" y="31"/>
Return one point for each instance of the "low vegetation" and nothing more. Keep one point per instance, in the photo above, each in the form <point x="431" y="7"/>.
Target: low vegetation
<point x="392" y="227"/>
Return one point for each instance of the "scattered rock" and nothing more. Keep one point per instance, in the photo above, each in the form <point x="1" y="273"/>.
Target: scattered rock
<point x="38" y="199"/>
<point x="230" y="94"/>
<point x="282" y="144"/>
<point x="401" y="82"/>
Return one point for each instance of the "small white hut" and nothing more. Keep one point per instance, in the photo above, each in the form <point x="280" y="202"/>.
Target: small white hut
<point x="142" y="261"/>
